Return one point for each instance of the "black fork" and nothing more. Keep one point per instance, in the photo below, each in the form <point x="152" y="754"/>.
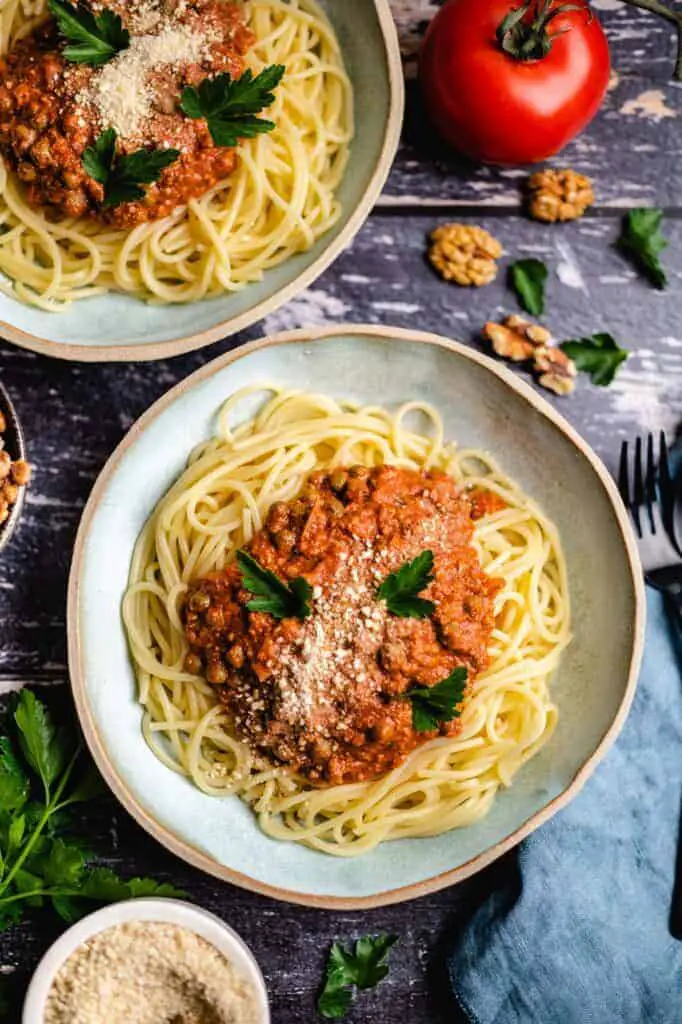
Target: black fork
<point x="648" y="489"/>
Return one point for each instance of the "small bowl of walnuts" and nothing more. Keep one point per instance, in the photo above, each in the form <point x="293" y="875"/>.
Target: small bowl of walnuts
<point x="15" y="471"/>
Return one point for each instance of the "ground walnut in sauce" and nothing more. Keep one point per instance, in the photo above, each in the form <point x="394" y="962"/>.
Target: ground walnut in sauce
<point x="49" y="112"/>
<point x="321" y="695"/>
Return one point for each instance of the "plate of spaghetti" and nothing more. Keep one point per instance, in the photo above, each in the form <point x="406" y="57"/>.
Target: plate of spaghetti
<point x="360" y="631"/>
<point x="176" y="169"/>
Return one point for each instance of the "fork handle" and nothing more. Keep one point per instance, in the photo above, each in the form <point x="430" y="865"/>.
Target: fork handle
<point x="669" y="582"/>
<point x="673" y="599"/>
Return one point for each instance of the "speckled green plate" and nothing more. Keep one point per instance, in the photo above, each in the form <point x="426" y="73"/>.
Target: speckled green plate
<point x="117" y="327"/>
<point x="482" y="404"/>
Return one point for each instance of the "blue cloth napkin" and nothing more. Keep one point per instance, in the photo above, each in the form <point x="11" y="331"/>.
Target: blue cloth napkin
<point x="582" y="935"/>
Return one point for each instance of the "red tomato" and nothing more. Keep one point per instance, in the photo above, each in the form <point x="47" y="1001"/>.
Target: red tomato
<point x="503" y="109"/>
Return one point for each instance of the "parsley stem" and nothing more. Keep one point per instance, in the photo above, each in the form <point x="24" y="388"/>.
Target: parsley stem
<point x="45" y="817"/>
<point x="4" y="900"/>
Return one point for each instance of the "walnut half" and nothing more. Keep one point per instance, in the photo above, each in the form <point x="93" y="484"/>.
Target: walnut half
<point x="522" y="341"/>
<point x="515" y="338"/>
<point x="558" y="195"/>
<point x="557" y="372"/>
<point x="464" y="254"/>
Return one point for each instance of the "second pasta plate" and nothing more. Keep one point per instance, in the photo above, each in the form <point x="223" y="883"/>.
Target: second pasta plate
<point x="361" y="630"/>
<point x="205" y="173"/>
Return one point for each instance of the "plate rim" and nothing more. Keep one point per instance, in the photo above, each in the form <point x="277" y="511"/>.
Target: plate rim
<point x="203" y="861"/>
<point x="148" y="351"/>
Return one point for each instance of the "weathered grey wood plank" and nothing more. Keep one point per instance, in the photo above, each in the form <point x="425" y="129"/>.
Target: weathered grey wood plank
<point x="631" y="149"/>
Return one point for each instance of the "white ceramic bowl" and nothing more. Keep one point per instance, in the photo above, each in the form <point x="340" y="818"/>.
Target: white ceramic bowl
<point x="483" y="405"/>
<point x="176" y="912"/>
<point x="117" y="327"/>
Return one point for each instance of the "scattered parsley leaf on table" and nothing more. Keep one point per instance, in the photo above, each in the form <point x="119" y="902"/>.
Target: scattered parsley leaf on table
<point x="362" y="968"/>
<point x="598" y="355"/>
<point x="230" y="104"/>
<point x="43" y="771"/>
<point x="432" y="705"/>
<point x="642" y="241"/>
<point x="400" y="589"/>
<point x="123" y="174"/>
<point x="92" y="39"/>
<point x="528" y="278"/>
<point x="272" y="595"/>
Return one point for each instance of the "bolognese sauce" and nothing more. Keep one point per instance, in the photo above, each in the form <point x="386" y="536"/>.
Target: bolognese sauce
<point x="52" y="109"/>
<point x="325" y="695"/>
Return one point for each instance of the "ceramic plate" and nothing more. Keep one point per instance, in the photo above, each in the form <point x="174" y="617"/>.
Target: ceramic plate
<point x="483" y="405"/>
<point x="116" y="327"/>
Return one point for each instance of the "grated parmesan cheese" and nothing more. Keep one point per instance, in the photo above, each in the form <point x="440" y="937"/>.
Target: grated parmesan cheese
<point x="149" y="972"/>
<point x="120" y="92"/>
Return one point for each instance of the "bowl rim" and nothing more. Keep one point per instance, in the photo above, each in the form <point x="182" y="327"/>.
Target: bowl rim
<point x="168" y="911"/>
<point x="7" y="406"/>
<point x="122" y="352"/>
<point x="203" y="861"/>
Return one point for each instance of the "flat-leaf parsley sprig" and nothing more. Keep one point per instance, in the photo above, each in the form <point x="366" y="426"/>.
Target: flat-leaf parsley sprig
<point x="346" y="970"/>
<point x="44" y="771"/>
<point x="432" y="705"/>
<point x="91" y="39"/>
<point x="642" y="241"/>
<point x="400" y="589"/>
<point x="122" y="175"/>
<point x="230" y="104"/>
<point x="528" y="278"/>
<point x="599" y="355"/>
<point x="271" y="594"/>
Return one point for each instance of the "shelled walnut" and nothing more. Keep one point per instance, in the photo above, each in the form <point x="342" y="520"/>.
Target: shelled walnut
<point x="464" y="254"/>
<point x="558" y="195"/>
<point x="522" y="341"/>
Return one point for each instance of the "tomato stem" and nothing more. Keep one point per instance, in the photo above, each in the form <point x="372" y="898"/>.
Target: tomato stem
<point x="524" y="33"/>
<point x="674" y="17"/>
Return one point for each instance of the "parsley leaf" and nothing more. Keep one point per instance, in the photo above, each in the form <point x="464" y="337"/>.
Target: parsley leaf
<point x="14" y="783"/>
<point x="362" y="968"/>
<point x="92" y="40"/>
<point x="598" y="355"/>
<point x="40" y="860"/>
<point x="284" y="601"/>
<point x="63" y="864"/>
<point x="123" y="174"/>
<point x="400" y="589"/>
<point x="642" y="241"/>
<point x="528" y="278"/>
<point x="45" y="747"/>
<point x="230" y="104"/>
<point x="432" y="705"/>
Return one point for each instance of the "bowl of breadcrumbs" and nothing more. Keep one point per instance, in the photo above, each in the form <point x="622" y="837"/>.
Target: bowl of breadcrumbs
<point x="151" y="961"/>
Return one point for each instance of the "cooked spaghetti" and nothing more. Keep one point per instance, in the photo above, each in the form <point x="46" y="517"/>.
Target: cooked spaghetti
<point x="215" y="216"/>
<point x="273" y="474"/>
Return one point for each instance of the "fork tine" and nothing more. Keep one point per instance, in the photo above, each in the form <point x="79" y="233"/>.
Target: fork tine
<point x="667" y="492"/>
<point x="623" y="475"/>
<point x="626" y="493"/>
<point x="650" y="482"/>
<point x="637" y="488"/>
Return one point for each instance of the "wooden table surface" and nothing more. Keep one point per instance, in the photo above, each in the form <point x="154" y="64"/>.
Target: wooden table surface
<point x="74" y="415"/>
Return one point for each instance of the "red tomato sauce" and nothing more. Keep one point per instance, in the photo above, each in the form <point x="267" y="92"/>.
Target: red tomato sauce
<point x="325" y="694"/>
<point x="45" y="128"/>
